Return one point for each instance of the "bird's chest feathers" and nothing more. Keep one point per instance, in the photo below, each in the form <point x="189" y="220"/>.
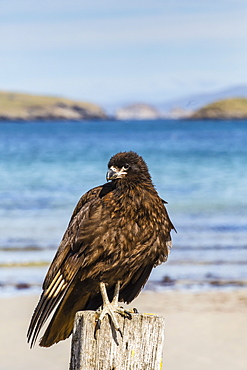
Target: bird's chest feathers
<point x="131" y="211"/>
<point x="130" y="204"/>
<point x="134" y="217"/>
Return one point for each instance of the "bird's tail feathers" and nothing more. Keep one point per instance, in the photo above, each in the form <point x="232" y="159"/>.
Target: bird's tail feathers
<point x="61" y="324"/>
<point x="48" y="301"/>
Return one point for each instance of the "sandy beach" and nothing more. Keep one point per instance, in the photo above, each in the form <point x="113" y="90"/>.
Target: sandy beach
<point x="205" y="330"/>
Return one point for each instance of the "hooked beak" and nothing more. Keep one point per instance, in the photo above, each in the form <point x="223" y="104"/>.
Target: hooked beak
<point x="113" y="174"/>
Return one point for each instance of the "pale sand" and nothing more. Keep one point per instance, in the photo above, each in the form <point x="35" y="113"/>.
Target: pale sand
<point x="203" y="331"/>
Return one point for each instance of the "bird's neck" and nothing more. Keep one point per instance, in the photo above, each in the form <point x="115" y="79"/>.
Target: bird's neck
<point x="126" y="186"/>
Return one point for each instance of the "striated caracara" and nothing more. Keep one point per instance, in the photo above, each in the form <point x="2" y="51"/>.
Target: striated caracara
<point x="117" y="233"/>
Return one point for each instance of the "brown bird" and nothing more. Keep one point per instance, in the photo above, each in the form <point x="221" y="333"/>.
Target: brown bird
<point x="117" y="233"/>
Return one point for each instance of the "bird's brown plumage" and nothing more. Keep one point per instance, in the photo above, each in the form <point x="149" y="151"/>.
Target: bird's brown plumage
<point x="118" y="232"/>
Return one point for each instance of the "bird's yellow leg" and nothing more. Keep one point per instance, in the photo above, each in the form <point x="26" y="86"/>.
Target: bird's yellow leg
<point x="111" y="308"/>
<point x="116" y="294"/>
<point x="108" y="307"/>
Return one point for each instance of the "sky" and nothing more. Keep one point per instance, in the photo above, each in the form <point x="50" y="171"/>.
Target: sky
<point x="116" y="52"/>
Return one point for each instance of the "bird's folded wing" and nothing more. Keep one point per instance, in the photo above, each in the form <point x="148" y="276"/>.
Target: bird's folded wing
<point x="65" y="264"/>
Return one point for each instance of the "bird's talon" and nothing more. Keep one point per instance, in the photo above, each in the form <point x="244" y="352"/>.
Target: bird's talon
<point x="98" y="324"/>
<point x="128" y="314"/>
<point x="97" y="327"/>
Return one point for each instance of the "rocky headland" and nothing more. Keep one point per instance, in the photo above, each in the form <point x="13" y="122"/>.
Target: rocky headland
<point x="24" y="107"/>
<point x="226" y="109"/>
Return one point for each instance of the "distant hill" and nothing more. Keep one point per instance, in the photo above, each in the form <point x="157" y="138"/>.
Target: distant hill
<point x="14" y="106"/>
<point x="223" y="109"/>
<point x="194" y="102"/>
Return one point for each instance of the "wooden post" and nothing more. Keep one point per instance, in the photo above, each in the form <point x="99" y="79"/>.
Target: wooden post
<point x="140" y="347"/>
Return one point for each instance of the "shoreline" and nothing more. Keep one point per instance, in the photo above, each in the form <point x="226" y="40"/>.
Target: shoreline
<point x="61" y="119"/>
<point x="204" y="330"/>
<point x="166" y="285"/>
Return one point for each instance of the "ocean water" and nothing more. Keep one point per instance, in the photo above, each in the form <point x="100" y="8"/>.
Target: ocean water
<point x="198" y="167"/>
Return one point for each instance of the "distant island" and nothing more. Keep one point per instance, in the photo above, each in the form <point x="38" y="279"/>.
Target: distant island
<point x="25" y="107"/>
<point x="223" y="109"/>
<point x="137" y="111"/>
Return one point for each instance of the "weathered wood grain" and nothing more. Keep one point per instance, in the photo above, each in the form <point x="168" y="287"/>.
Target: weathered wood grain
<point x="140" y="348"/>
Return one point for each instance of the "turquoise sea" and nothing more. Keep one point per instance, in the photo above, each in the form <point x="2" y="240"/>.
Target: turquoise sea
<point x="198" y="167"/>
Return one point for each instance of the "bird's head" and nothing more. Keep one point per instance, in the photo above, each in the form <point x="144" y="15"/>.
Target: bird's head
<point x="127" y="165"/>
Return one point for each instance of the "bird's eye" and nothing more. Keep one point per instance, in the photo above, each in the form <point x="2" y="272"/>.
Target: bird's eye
<point x="126" y="166"/>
